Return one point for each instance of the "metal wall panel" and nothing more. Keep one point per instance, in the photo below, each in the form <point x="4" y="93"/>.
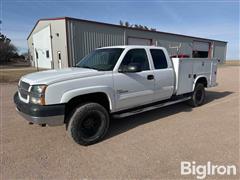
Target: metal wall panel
<point x="85" y="37"/>
<point x="174" y="47"/>
<point x="174" y="44"/>
<point x="139" y="41"/>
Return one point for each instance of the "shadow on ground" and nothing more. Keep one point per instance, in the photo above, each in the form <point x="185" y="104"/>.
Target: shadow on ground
<point x="119" y="126"/>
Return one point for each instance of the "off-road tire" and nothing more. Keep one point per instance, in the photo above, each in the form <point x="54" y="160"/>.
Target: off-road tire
<point x="198" y="96"/>
<point x="85" y="120"/>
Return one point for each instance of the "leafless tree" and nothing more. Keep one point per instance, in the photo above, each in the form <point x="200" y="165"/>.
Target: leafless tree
<point x="135" y="26"/>
<point x="121" y="23"/>
<point x="7" y="49"/>
<point x="127" y="24"/>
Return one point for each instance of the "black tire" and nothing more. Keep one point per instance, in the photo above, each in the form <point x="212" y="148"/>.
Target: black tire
<point x="88" y="124"/>
<point x="198" y="96"/>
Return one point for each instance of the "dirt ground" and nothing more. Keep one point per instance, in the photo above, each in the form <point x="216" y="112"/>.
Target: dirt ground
<point x="150" y="145"/>
<point x="12" y="74"/>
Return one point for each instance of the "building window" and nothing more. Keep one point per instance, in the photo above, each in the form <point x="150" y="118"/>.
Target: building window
<point x="36" y="54"/>
<point x="159" y="59"/>
<point x="47" y="53"/>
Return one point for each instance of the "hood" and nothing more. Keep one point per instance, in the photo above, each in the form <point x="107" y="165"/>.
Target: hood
<point x="58" y="75"/>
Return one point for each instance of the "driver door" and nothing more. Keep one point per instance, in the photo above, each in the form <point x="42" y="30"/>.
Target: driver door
<point x="135" y="88"/>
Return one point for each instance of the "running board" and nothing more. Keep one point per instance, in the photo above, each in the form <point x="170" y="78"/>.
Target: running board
<point x="133" y="112"/>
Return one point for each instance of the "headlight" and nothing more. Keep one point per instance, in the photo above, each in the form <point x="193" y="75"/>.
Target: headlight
<point x="37" y="100"/>
<point x="37" y="94"/>
<point x="38" y="89"/>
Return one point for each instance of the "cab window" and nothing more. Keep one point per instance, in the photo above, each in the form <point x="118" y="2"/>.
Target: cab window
<point x="159" y="59"/>
<point x="136" y="56"/>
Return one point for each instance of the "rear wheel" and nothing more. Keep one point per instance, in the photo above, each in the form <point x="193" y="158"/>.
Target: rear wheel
<point x="198" y="96"/>
<point x="88" y="123"/>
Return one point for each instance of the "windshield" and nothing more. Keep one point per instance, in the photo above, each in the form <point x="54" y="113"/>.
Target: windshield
<point x="101" y="59"/>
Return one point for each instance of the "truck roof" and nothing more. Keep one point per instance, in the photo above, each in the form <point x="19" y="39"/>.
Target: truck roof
<point x="132" y="46"/>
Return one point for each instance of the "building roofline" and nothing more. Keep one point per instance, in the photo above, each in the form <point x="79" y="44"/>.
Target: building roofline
<point x="114" y="25"/>
<point x="44" y="19"/>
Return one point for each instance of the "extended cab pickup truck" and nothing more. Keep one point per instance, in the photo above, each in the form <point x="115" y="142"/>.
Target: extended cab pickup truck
<point x="115" y="81"/>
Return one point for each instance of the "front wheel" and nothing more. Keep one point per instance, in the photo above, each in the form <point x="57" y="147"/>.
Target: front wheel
<point x="198" y="96"/>
<point x="88" y="124"/>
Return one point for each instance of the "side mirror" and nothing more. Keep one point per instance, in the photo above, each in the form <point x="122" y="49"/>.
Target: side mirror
<point x="131" y="68"/>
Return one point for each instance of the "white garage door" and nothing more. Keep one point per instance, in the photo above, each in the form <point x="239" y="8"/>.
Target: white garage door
<point x="200" y="46"/>
<point x="138" y="41"/>
<point x="42" y="48"/>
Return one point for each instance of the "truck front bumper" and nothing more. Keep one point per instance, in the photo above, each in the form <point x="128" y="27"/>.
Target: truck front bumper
<point x="52" y="115"/>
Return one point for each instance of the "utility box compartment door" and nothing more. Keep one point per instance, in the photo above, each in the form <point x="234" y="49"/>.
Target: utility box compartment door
<point x="184" y="75"/>
<point x="187" y="69"/>
<point x="213" y="77"/>
<point x="202" y="66"/>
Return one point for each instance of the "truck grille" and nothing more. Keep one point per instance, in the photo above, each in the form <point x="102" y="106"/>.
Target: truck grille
<point x="24" y="85"/>
<point x="23" y="89"/>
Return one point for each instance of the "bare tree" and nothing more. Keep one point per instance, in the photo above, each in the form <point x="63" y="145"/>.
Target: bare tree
<point x="140" y="26"/>
<point x="121" y="23"/>
<point x="7" y="49"/>
<point x="136" y="26"/>
<point x="153" y="29"/>
<point x="127" y="24"/>
<point x="146" y="28"/>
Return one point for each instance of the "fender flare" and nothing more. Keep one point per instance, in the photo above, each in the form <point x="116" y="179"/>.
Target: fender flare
<point x="198" y="77"/>
<point x="109" y="92"/>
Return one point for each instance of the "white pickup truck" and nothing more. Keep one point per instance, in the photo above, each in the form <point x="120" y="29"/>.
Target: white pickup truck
<point x="116" y="81"/>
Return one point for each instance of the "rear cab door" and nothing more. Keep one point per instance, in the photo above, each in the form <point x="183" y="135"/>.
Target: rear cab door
<point x="164" y="76"/>
<point x="133" y="89"/>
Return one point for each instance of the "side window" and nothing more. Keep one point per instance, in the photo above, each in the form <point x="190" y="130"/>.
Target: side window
<point x="159" y="59"/>
<point x="136" y="56"/>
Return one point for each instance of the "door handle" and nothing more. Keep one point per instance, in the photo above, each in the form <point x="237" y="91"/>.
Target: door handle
<point x="150" y="77"/>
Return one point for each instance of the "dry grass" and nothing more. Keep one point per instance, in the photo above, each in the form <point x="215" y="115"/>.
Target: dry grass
<point x="8" y="75"/>
<point x="233" y="63"/>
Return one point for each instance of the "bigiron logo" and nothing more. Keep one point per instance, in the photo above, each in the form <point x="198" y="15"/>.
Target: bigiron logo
<point x="202" y="171"/>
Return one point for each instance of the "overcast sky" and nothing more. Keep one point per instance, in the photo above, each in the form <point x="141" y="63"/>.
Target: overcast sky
<point x="215" y="19"/>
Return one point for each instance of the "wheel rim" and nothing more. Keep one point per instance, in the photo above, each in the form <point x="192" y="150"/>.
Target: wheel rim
<point x="90" y="125"/>
<point x="199" y="95"/>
